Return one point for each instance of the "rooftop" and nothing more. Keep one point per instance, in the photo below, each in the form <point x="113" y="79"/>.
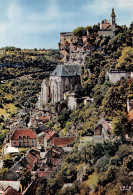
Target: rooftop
<point x="66" y="70"/>
<point x="26" y="132"/>
<point x="44" y="118"/>
<point x="10" y="191"/>
<point x="60" y="142"/>
<point x="50" y="134"/>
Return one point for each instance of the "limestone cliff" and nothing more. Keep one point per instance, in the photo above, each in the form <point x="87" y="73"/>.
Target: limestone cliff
<point x="74" y="49"/>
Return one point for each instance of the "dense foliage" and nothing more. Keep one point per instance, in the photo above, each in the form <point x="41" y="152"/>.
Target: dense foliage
<point x="103" y="167"/>
<point x="17" y="62"/>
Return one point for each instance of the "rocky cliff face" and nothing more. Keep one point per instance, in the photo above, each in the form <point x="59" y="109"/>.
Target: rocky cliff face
<point x="74" y="49"/>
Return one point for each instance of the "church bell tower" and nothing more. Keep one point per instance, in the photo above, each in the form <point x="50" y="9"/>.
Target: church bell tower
<point x="113" y="17"/>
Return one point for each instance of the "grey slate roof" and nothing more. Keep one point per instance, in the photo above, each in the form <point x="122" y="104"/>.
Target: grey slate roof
<point x="66" y="70"/>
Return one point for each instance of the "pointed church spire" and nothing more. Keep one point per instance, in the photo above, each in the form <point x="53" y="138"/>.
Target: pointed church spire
<point x="113" y="17"/>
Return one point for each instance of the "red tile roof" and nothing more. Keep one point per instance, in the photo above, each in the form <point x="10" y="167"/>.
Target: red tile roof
<point x="44" y="119"/>
<point x="26" y="132"/>
<point x="10" y="191"/>
<point x="50" y="134"/>
<point x="60" y="142"/>
<point x="43" y="173"/>
<point x="130" y="115"/>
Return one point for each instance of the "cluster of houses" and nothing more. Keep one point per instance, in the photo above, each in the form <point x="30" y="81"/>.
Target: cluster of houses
<point x="46" y="151"/>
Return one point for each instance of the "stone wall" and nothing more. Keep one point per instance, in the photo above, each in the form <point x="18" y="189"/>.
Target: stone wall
<point x="106" y="33"/>
<point x="53" y="90"/>
<point x="114" y="76"/>
<point x="72" y="102"/>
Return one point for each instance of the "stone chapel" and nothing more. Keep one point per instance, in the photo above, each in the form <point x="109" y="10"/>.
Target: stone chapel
<point x="107" y="28"/>
<point x="62" y="79"/>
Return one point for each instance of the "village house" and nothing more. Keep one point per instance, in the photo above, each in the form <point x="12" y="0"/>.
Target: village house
<point x="29" y="161"/>
<point x="74" y="100"/>
<point x="43" y="119"/>
<point x="10" y="191"/>
<point x="115" y="75"/>
<point x="49" y="136"/>
<point x="4" y="186"/>
<point x="23" y="138"/>
<point x="103" y="129"/>
<point x="62" y="141"/>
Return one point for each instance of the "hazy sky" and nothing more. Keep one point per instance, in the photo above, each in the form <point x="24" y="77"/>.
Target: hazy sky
<point x="38" y="23"/>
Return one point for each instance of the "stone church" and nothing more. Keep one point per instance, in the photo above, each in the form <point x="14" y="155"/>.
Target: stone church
<point x="61" y="80"/>
<point x="107" y="28"/>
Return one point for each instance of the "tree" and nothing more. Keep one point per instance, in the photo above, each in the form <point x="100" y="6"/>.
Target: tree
<point x="63" y="117"/>
<point x="78" y="90"/>
<point x="41" y="189"/>
<point x="8" y="161"/>
<point x="120" y="125"/>
<point x="125" y="62"/>
<point x="80" y="31"/>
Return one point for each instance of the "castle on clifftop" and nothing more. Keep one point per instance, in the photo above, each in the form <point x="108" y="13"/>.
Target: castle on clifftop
<point x="107" y="28"/>
<point x="74" y="49"/>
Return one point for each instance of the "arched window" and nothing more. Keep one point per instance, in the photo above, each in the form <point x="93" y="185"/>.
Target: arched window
<point x="27" y="139"/>
<point x="24" y="139"/>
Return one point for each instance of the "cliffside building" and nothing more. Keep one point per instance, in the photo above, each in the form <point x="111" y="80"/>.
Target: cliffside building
<point x="74" y="49"/>
<point x="62" y="79"/>
<point x="107" y="28"/>
<point x="114" y="75"/>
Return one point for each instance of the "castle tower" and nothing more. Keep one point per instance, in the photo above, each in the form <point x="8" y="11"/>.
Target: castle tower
<point x="113" y="17"/>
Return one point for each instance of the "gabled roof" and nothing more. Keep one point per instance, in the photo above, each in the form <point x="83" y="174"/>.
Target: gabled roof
<point x="26" y="132"/>
<point x="10" y="191"/>
<point x="44" y="118"/>
<point x="27" y="161"/>
<point x="66" y="70"/>
<point x="50" y="134"/>
<point x="60" y="142"/>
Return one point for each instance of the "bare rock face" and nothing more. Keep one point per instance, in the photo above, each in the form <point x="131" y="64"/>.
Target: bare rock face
<point x="74" y="49"/>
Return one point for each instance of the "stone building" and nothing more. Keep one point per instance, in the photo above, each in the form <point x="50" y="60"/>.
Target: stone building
<point x="23" y="138"/>
<point x="107" y="28"/>
<point x="114" y="75"/>
<point x="62" y="79"/>
<point x="74" y="49"/>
